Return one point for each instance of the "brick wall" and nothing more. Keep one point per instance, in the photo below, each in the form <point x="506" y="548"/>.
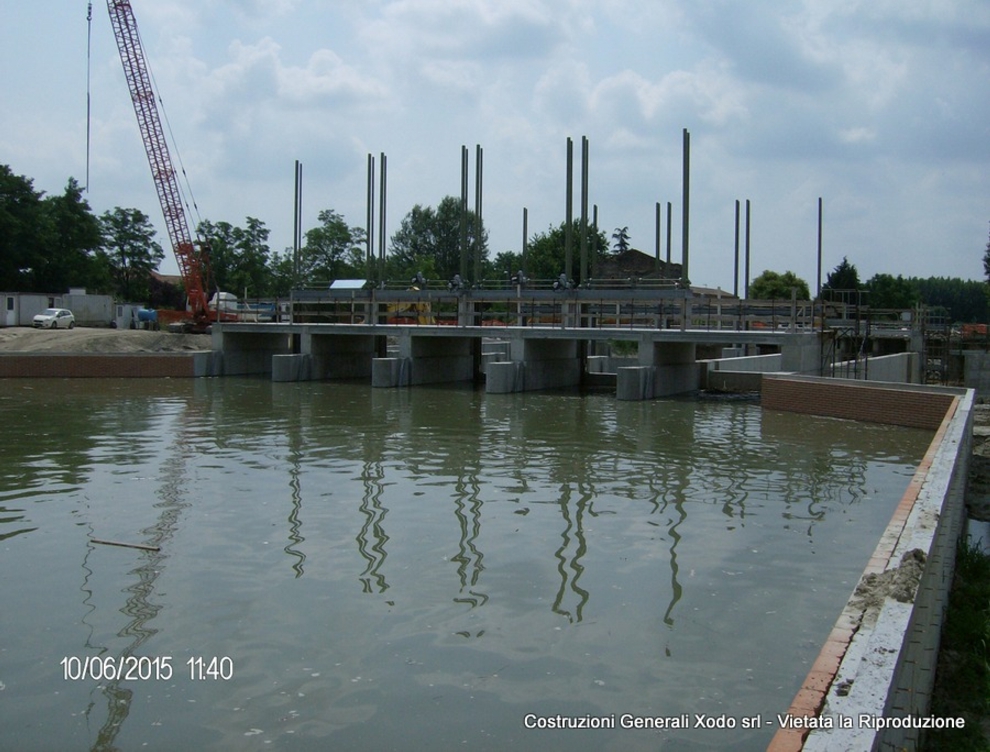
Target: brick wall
<point x="147" y="365"/>
<point x="914" y="408"/>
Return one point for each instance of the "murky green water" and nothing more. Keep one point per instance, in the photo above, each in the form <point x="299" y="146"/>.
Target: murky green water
<point x="417" y="569"/>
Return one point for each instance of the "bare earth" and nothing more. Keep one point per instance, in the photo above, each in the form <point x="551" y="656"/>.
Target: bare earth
<point x="95" y="341"/>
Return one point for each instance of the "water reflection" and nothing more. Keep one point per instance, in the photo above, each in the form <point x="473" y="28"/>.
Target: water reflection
<point x="569" y="564"/>
<point x="372" y="538"/>
<point x="497" y="515"/>
<point x="140" y="605"/>
<point x="467" y="509"/>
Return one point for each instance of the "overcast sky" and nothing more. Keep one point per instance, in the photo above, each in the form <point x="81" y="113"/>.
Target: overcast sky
<point x="879" y="107"/>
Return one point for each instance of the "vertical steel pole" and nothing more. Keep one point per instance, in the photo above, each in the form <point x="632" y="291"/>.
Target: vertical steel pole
<point x="670" y="228"/>
<point x="735" y="273"/>
<point x="381" y="212"/>
<point x="594" y="240"/>
<point x="463" y="219"/>
<point x="584" y="209"/>
<point x="746" y="281"/>
<point x="295" y="227"/>
<point x="569" y="212"/>
<point x="657" y="265"/>
<point x="686" y="209"/>
<point x="478" y="171"/>
<point x="819" y="294"/>
<point x="525" y="243"/>
<point x="370" y="240"/>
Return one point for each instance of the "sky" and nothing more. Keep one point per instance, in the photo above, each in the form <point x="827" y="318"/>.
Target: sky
<point x="881" y="108"/>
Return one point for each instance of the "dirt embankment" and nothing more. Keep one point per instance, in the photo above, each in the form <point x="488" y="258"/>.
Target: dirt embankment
<point x="96" y="341"/>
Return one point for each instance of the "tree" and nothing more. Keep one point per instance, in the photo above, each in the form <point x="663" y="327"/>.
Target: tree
<point x="332" y="250"/>
<point x="22" y="220"/>
<point x="71" y="237"/>
<point x="965" y="300"/>
<point x="238" y="257"/>
<point x="887" y="291"/>
<point x="844" y="277"/>
<point x="130" y="252"/>
<point x="547" y="255"/>
<point x="621" y="238"/>
<point x="773" y="286"/>
<point x="429" y="241"/>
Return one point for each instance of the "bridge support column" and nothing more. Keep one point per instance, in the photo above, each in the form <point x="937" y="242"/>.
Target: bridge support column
<point x="291" y="367"/>
<point x="664" y="369"/>
<point x="536" y="364"/>
<point x="248" y="353"/>
<point x="339" y="356"/>
<point x="801" y="353"/>
<point x="426" y="360"/>
<point x="388" y="373"/>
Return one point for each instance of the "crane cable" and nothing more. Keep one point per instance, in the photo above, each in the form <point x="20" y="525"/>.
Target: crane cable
<point x="175" y="147"/>
<point x="89" y="108"/>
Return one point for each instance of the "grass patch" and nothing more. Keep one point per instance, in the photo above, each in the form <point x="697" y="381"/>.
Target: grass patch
<point x="962" y="681"/>
<point x="623" y="348"/>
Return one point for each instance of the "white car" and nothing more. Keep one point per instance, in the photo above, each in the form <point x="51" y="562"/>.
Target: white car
<point x="54" y="318"/>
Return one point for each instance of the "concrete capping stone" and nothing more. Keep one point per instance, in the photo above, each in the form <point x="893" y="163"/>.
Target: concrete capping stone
<point x="879" y="660"/>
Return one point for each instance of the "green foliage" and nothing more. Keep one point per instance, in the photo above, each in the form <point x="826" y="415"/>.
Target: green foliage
<point x="775" y="286"/>
<point x="238" y="257"/>
<point x="332" y="250"/>
<point x="48" y="244"/>
<point x="546" y="255"/>
<point x="965" y="300"/>
<point x="887" y="291"/>
<point x="129" y="252"/>
<point x="22" y="221"/>
<point x="429" y="241"/>
<point x="621" y="238"/>
<point x="843" y="277"/>
<point x="962" y="683"/>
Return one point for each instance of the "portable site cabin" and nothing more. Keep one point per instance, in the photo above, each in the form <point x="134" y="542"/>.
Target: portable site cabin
<point x="19" y="308"/>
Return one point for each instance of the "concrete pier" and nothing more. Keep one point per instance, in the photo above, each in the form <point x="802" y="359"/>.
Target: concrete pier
<point x="523" y="359"/>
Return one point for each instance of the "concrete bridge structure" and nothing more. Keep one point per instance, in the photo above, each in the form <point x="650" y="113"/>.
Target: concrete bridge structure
<point x="507" y="358"/>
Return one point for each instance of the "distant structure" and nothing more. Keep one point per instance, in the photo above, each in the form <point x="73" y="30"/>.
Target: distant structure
<point x="637" y="265"/>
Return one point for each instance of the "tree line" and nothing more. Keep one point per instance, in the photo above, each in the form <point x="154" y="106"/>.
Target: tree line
<point x="965" y="301"/>
<point x="49" y="243"/>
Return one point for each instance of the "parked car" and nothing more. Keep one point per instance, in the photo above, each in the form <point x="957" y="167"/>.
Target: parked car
<point x="54" y="318"/>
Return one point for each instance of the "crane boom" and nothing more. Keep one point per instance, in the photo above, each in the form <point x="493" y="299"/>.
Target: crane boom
<point x="191" y="265"/>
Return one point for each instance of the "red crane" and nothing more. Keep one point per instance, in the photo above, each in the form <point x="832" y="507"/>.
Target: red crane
<point x="192" y="266"/>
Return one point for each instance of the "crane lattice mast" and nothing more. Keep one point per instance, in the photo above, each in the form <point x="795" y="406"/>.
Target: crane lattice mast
<point x="149" y="121"/>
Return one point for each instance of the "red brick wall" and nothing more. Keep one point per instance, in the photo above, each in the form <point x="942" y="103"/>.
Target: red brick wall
<point x="97" y="366"/>
<point x="876" y="404"/>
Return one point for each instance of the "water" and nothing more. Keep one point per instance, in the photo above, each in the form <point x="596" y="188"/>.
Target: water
<point x="417" y="569"/>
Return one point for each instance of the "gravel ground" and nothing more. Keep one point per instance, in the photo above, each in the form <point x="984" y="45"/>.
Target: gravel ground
<point x="84" y="340"/>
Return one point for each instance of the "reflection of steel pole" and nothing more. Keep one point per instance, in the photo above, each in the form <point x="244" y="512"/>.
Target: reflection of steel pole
<point x="574" y="563"/>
